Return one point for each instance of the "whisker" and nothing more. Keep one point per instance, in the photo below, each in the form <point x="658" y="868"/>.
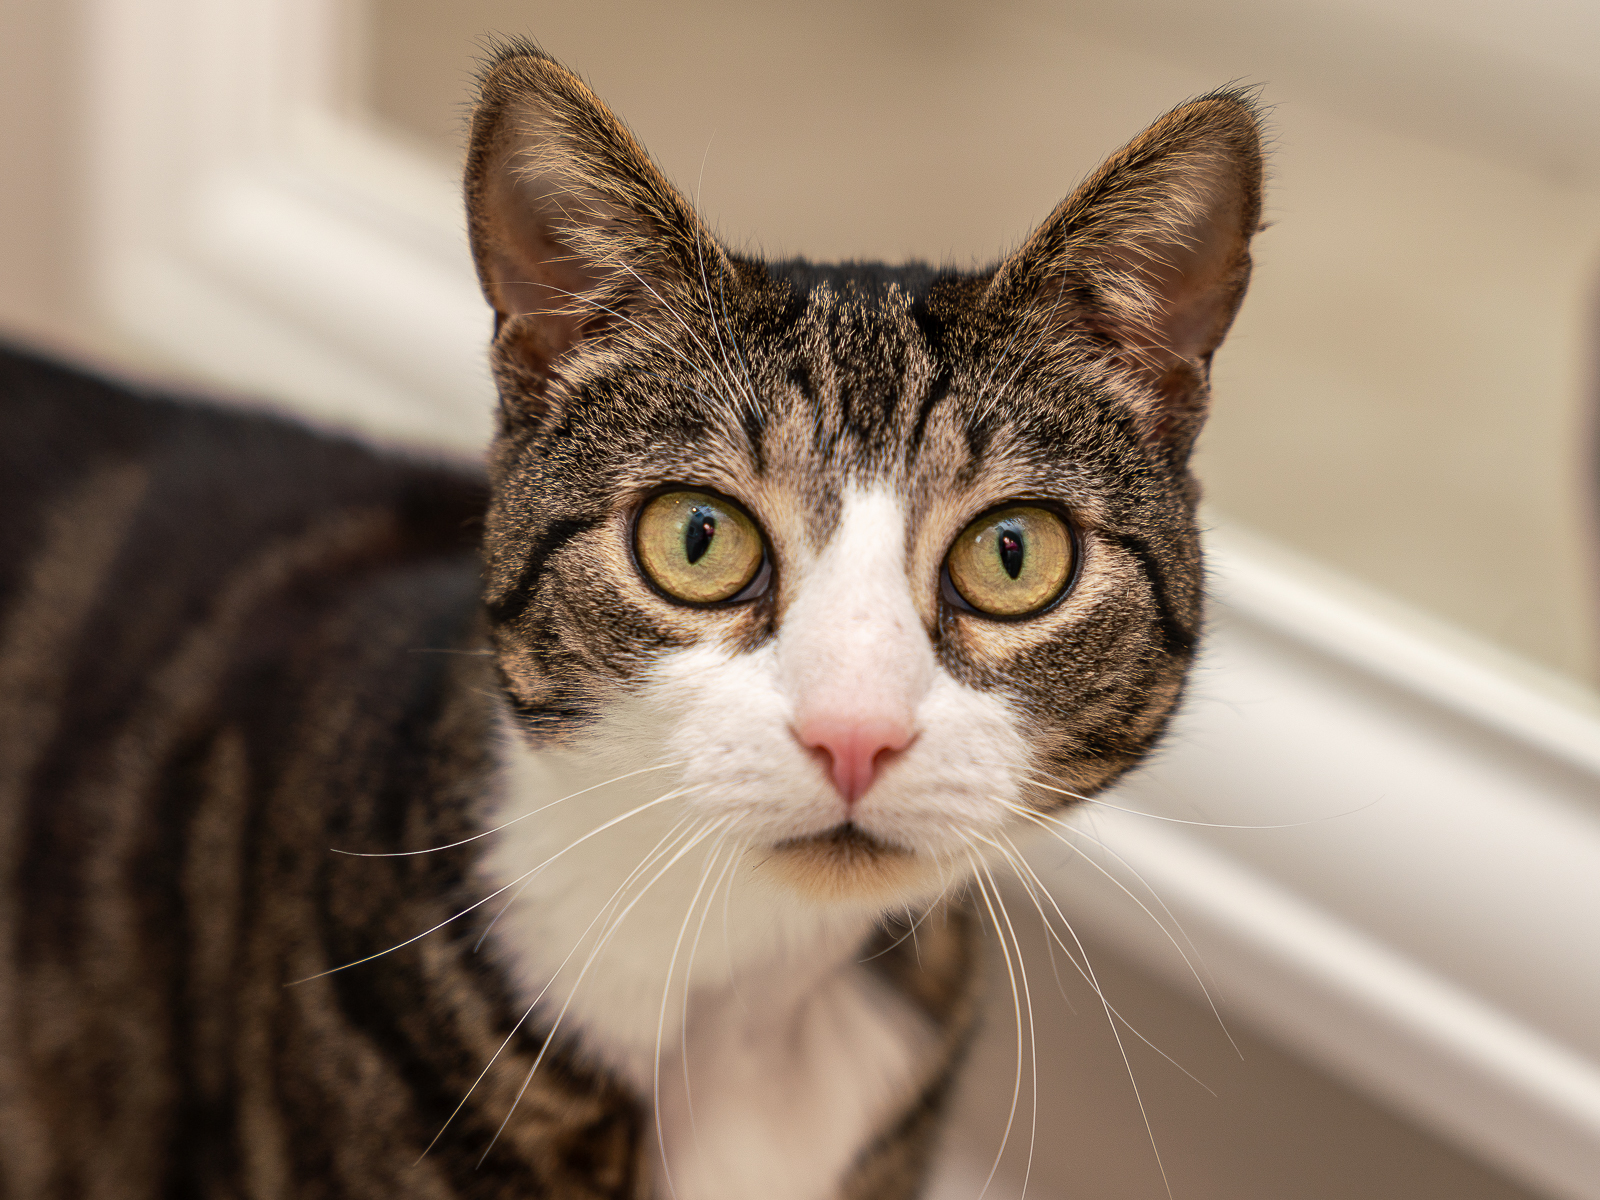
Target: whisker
<point x="744" y="365"/>
<point x="910" y="932"/>
<point x="480" y="903"/>
<point x="694" y="840"/>
<point x="504" y="908"/>
<point x="1156" y="896"/>
<point x="1019" y="865"/>
<point x="1033" y="1041"/>
<point x="727" y="944"/>
<point x="688" y="980"/>
<point x="1045" y="822"/>
<point x="705" y="285"/>
<point x="1016" y="1001"/>
<point x="666" y="992"/>
<point x="676" y="316"/>
<point x="1049" y="943"/>
<point x="653" y="855"/>
<point x="1134" y="812"/>
<point x="1094" y="982"/>
<point x="507" y="824"/>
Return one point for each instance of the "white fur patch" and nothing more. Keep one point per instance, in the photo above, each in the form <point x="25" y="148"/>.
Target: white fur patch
<point x="643" y="851"/>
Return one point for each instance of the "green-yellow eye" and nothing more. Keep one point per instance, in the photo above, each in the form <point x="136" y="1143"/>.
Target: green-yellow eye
<point x="697" y="547"/>
<point x="1012" y="561"/>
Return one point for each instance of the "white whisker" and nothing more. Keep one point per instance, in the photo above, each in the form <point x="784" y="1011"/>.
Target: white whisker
<point x="498" y="891"/>
<point x="705" y="286"/>
<point x="1016" y="1000"/>
<point x="1024" y="872"/>
<point x="506" y="824"/>
<point x="1033" y="1041"/>
<point x="687" y="328"/>
<point x="1134" y="812"/>
<point x="911" y="932"/>
<point x="1111" y="1020"/>
<point x="666" y="838"/>
<point x="699" y="835"/>
<point x="666" y="992"/>
<point x="688" y="981"/>
<point x="1045" y="822"/>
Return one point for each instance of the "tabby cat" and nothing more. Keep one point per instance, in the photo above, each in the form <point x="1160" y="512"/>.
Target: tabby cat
<point x="623" y="828"/>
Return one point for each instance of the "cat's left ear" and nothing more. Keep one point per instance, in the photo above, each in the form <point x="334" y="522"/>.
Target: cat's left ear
<point x="583" y="248"/>
<point x="1145" y="265"/>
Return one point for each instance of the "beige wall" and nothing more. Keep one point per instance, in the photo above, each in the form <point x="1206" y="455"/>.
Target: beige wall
<point x="1405" y="394"/>
<point x="43" y="289"/>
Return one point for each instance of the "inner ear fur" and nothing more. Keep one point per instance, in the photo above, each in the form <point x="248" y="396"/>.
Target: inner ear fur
<point x="580" y="242"/>
<point x="1147" y="262"/>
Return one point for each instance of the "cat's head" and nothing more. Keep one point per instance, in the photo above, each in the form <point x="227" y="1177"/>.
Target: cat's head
<point x="869" y="557"/>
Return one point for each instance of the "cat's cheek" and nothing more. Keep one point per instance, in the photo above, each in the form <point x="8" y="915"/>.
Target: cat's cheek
<point x="958" y="784"/>
<point x="729" y="735"/>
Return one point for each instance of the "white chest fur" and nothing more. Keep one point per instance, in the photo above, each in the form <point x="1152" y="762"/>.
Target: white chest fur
<point x="767" y="1055"/>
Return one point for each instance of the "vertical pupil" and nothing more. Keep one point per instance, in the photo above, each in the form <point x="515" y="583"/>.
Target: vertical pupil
<point x="697" y="534"/>
<point x="1011" y="552"/>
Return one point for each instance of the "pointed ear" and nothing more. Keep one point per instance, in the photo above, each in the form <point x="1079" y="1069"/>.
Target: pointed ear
<point x="583" y="248"/>
<point x="1147" y="262"/>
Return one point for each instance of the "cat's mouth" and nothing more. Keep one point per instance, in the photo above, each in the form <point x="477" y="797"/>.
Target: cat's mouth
<point x="845" y="862"/>
<point x="845" y="839"/>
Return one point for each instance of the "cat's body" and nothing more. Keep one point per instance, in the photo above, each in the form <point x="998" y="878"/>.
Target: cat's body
<point x="705" y="774"/>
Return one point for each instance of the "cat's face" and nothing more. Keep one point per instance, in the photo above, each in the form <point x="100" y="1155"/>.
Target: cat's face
<point x="874" y="561"/>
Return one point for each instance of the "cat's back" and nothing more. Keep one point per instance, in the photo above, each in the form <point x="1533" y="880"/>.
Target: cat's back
<point x="134" y="527"/>
<point x="126" y="514"/>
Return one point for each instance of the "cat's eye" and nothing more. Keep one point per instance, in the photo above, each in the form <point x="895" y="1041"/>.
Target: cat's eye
<point x="697" y="547"/>
<point x="1012" y="561"/>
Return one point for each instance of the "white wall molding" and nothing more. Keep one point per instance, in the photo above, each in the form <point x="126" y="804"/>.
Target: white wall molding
<point x="250" y="229"/>
<point x="1436" y="947"/>
<point x="1428" y="932"/>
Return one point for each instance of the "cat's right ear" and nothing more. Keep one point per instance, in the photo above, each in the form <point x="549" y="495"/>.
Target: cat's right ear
<point x="583" y="248"/>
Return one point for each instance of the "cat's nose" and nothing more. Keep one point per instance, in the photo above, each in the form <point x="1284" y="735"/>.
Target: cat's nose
<point x="856" y="748"/>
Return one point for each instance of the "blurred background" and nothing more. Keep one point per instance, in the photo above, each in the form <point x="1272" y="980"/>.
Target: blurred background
<point x="1408" y="397"/>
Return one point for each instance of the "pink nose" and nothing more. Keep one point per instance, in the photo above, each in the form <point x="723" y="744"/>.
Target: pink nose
<point x="855" y="748"/>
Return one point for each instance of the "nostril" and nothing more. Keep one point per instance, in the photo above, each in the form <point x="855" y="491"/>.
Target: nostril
<point x="854" y="752"/>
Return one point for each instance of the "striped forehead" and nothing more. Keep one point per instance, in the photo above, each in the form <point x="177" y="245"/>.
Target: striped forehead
<point x="855" y="396"/>
<point x="837" y="401"/>
<point x="864" y="367"/>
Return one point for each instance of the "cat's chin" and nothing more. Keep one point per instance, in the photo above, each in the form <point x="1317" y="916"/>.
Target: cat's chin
<point x="846" y="864"/>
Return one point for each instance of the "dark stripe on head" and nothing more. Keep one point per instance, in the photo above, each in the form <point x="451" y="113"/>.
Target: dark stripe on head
<point x="871" y="281"/>
<point x="511" y="605"/>
<point x="937" y="390"/>
<point x="1176" y="639"/>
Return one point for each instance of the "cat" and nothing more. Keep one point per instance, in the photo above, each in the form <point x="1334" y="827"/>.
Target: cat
<point x="620" y="825"/>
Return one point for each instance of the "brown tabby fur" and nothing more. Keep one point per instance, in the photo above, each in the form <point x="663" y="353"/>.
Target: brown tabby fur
<point x="229" y="645"/>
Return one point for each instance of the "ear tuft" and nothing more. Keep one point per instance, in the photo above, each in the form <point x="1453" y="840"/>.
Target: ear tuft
<point x="1150" y="258"/>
